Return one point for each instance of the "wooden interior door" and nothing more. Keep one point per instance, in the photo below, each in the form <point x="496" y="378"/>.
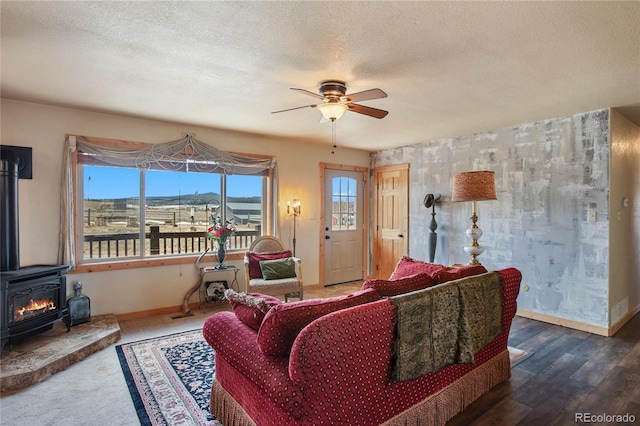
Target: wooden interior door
<point x="391" y="218"/>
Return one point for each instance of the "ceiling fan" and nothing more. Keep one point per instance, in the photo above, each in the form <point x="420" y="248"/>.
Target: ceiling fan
<point x="335" y="101"/>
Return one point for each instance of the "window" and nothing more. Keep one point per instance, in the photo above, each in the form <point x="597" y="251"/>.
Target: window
<point x="127" y="212"/>
<point x="344" y="202"/>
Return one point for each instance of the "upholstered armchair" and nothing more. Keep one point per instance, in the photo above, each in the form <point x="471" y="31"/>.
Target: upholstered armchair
<point x="280" y="274"/>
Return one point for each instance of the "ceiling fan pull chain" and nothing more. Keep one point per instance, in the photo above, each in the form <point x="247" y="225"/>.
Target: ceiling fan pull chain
<point x="333" y="136"/>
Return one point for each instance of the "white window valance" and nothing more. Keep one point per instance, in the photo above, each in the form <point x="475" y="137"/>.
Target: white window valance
<point x="187" y="154"/>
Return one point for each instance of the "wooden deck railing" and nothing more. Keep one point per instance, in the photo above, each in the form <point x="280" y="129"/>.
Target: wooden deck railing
<point x="160" y="243"/>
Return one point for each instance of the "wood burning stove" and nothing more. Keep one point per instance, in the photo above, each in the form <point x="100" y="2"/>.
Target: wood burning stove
<point x="32" y="299"/>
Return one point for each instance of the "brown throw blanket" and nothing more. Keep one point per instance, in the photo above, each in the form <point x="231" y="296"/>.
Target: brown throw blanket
<point x="445" y="324"/>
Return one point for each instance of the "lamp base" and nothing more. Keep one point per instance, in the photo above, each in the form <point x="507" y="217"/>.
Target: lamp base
<point x="475" y="249"/>
<point x="474" y="252"/>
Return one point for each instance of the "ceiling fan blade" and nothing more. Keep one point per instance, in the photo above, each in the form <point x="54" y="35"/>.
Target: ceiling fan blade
<point x="306" y="92"/>
<point x="372" y="112"/>
<point x="366" y="95"/>
<point x="291" y="109"/>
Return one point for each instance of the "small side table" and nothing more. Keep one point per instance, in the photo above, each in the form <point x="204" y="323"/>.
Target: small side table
<point x="202" y="271"/>
<point x="213" y="270"/>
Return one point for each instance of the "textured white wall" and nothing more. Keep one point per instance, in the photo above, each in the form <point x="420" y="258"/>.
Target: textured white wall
<point x="548" y="174"/>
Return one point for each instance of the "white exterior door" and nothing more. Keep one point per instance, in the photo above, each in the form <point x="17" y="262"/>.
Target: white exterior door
<point x="343" y="226"/>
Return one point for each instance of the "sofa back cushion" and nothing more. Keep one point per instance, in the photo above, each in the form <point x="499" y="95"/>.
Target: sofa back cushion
<point x="451" y="274"/>
<point x="283" y="323"/>
<point x="408" y="266"/>
<point x="256" y="258"/>
<point x="388" y="288"/>
<point x="251" y="308"/>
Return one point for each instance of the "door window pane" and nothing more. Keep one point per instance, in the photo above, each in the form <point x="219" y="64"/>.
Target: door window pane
<point x="344" y="202"/>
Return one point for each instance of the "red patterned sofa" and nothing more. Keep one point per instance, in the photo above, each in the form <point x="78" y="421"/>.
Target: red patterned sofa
<point x="329" y="361"/>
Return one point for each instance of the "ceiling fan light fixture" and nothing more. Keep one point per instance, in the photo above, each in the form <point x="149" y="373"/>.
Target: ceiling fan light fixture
<point x="332" y="110"/>
<point x="334" y="101"/>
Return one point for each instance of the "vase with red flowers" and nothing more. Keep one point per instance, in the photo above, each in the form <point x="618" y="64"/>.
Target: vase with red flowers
<point x="221" y="234"/>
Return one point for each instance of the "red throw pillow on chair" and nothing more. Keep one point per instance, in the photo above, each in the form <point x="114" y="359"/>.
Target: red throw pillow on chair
<point x="255" y="258"/>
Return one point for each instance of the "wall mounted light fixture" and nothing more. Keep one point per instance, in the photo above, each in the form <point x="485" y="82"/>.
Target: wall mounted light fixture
<point x="430" y="201"/>
<point x="294" y="209"/>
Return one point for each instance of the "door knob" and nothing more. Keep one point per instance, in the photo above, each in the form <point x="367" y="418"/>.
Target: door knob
<point x="326" y="237"/>
<point x="400" y="236"/>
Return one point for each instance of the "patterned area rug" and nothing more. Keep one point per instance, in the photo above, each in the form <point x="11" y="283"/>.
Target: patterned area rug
<point x="169" y="378"/>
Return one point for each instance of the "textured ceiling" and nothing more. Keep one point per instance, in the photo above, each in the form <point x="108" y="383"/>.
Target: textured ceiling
<point x="449" y="68"/>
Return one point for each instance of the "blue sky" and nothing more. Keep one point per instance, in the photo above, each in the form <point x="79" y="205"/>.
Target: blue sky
<point x="110" y="182"/>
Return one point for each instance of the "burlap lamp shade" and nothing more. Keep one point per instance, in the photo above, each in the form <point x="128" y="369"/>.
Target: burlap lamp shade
<point x="474" y="186"/>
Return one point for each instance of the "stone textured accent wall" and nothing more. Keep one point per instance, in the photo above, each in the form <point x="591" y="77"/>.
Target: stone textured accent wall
<point x="549" y="174"/>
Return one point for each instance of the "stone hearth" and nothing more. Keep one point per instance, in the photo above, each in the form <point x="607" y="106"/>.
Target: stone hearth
<point x="38" y="357"/>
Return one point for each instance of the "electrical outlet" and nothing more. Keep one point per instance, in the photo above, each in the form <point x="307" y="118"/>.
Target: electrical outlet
<point x="593" y="215"/>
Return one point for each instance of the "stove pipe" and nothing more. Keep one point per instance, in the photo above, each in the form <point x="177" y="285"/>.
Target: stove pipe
<point x="9" y="240"/>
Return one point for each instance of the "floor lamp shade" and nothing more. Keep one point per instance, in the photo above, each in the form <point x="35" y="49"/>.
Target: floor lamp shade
<point x="474" y="186"/>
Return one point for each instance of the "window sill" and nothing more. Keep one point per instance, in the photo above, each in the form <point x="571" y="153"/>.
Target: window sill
<point x="147" y="263"/>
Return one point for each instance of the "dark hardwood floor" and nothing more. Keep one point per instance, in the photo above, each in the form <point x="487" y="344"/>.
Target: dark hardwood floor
<point x="567" y="373"/>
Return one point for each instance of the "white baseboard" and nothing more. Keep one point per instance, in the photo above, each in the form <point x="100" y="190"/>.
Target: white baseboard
<point x="590" y="328"/>
<point x="576" y="325"/>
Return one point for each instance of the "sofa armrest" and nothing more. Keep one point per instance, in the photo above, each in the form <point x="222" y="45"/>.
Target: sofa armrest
<point x="223" y="331"/>
<point x="510" y="279"/>
<point x="237" y="343"/>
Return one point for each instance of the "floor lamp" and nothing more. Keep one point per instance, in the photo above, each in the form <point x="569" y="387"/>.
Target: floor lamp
<point x="474" y="186"/>
<point x="295" y="207"/>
